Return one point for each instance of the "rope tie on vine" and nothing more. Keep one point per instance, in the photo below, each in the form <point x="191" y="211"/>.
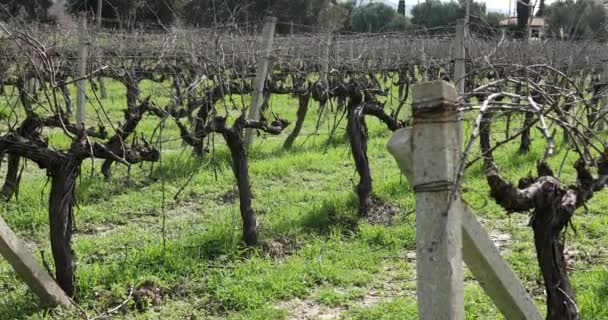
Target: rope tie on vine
<point x="434" y="186"/>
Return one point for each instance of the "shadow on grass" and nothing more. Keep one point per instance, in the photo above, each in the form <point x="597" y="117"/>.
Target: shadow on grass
<point x="94" y="189"/>
<point x="331" y="214"/>
<point x="187" y="258"/>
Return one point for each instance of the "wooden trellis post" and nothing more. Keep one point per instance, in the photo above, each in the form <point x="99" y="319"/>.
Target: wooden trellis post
<point x="446" y="229"/>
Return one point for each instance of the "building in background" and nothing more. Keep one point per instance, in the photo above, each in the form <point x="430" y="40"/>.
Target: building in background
<point x="536" y="28"/>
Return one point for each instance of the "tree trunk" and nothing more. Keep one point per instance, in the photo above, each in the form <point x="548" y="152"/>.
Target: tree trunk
<point x="404" y="93"/>
<point x="484" y="138"/>
<point x="61" y="203"/>
<point x="524" y="146"/>
<point x="200" y="131"/>
<point x="303" y="101"/>
<point x="357" y="133"/>
<point x="117" y="142"/>
<point x="28" y="129"/>
<point x="563" y="118"/>
<point x="548" y="225"/>
<point x="24" y="97"/>
<point x="508" y="126"/>
<point x="132" y="92"/>
<point x="132" y="117"/>
<point x="179" y="99"/>
<point x="554" y="205"/>
<point x="68" y="99"/>
<point x="240" y="167"/>
<point x="12" y="177"/>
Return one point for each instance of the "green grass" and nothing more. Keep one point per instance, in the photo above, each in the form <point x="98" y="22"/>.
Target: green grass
<point x="314" y="247"/>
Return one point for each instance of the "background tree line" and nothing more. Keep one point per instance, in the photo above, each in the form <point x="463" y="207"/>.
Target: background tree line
<point x="572" y="19"/>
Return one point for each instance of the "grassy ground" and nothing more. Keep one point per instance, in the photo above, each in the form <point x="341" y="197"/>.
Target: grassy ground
<point x="317" y="259"/>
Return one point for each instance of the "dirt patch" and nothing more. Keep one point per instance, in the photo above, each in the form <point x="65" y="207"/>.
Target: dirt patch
<point x="382" y="213"/>
<point x="593" y="256"/>
<point x="308" y="309"/>
<point x="148" y="294"/>
<point x="389" y="283"/>
<point x="280" y="247"/>
<point x="571" y="254"/>
<point x="98" y="229"/>
<point x="229" y="197"/>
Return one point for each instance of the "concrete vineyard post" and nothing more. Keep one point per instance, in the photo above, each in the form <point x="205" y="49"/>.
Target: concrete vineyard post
<point x="81" y="71"/>
<point x="102" y="86"/>
<point x="257" y="97"/>
<point x="24" y="263"/>
<point x="435" y="151"/>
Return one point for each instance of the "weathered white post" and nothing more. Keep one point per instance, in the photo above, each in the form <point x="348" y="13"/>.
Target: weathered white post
<point x="423" y="61"/>
<point x="435" y="151"/>
<point x="478" y="251"/>
<point x="460" y="62"/>
<point x="81" y="98"/>
<point x="459" y="57"/>
<point x="325" y="59"/>
<point x="24" y="263"/>
<point x="257" y="97"/>
<point x="99" y="9"/>
<point x="492" y="272"/>
<point x="102" y="86"/>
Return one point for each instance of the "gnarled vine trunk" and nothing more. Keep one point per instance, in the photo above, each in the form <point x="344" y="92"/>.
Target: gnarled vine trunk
<point x="29" y="129"/>
<point x="240" y="167"/>
<point x="553" y="205"/>
<point x="303" y="102"/>
<point x="484" y="138"/>
<point x="548" y="224"/>
<point x="11" y="181"/>
<point x="524" y="146"/>
<point x="357" y="134"/>
<point x="133" y="116"/>
<point x="67" y="98"/>
<point x="61" y="206"/>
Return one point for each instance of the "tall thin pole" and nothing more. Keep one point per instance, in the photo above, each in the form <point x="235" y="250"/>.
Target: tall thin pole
<point x="460" y="65"/>
<point x="262" y="70"/>
<point x="99" y="8"/>
<point x="459" y="57"/>
<point x="325" y="59"/>
<point x="102" y="86"/>
<point x="81" y="98"/>
<point x="467" y="16"/>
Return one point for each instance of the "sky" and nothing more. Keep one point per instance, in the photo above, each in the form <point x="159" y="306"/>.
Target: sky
<point x="492" y="5"/>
